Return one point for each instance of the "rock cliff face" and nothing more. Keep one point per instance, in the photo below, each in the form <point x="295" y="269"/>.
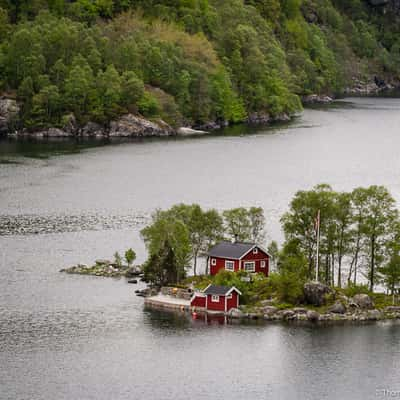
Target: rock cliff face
<point x="8" y="110"/>
<point x="130" y="125"/>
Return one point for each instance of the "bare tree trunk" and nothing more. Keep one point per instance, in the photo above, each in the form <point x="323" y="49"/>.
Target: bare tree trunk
<point x="327" y="270"/>
<point x="372" y="276"/>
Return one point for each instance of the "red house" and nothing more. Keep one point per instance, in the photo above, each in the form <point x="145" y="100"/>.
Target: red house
<point x="216" y="298"/>
<point x="238" y="256"/>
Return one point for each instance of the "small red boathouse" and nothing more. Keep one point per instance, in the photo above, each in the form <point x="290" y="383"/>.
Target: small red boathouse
<point x="216" y="298"/>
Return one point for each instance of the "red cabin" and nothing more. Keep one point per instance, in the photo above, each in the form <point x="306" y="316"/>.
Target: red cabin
<point x="216" y="298"/>
<point x="238" y="256"/>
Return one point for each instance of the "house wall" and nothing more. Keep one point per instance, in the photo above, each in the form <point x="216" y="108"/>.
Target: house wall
<point x="220" y="264"/>
<point x="220" y="306"/>
<point x="198" y="301"/>
<point x="257" y="258"/>
<point x="233" y="302"/>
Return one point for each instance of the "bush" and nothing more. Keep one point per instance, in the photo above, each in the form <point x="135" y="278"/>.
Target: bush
<point x="287" y="287"/>
<point x="352" y="290"/>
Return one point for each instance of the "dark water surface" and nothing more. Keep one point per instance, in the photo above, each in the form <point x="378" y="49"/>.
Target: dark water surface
<point x="74" y="337"/>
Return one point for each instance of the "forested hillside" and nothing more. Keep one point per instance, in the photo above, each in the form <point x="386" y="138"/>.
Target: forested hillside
<point x="188" y="61"/>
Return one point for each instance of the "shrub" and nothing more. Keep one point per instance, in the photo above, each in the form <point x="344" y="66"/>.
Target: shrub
<point x="352" y="290"/>
<point x="287" y="287"/>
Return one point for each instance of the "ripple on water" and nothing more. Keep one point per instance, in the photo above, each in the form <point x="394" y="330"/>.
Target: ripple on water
<point x="42" y="224"/>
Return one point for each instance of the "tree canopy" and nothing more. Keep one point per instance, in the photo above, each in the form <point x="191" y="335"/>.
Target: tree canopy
<point x="187" y="61"/>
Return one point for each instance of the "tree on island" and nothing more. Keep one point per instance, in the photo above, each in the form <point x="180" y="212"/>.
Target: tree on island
<point x="166" y="236"/>
<point x="355" y="228"/>
<point x="245" y="225"/>
<point x="162" y="268"/>
<point x="130" y="256"/>
<point x="117" y="259"/>
<point x="205" y="227"/>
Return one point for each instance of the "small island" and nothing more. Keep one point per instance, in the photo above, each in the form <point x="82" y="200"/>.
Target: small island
<point x="339" y="248"/>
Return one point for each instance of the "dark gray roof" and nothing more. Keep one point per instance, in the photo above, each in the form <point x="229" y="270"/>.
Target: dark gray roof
<point x="230" y="250"/>
<point x="217" y="290"/>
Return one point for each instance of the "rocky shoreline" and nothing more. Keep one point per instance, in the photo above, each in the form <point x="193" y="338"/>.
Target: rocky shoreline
<point x="106" y="268"/>
<point x="136" y="126"/>
<point x="126" y="126"/>
<point x="359" y="308"/>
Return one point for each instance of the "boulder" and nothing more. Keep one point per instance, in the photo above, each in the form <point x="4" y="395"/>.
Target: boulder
<point x="56" y="132"/>
<point x="212" y="125"/>
<point x="315" y="293"/>
<point x="283" y="117"/>
<point x="130" y="125"/>
<point x="374" y="315"/>
<point x="317" y="99"/>
<point x="337" y="308"/>
<point x="132" y="281"/>
<point x="286" y="315"/>
<point x="235" y="313"/>
<point x="133" y="271"/>
<point x="392" y="309"/>
<point x="184" y="131"/>
<point x="259" y="118"/>
<point x="363" y="301"/>
<point x="312" y="315"/>
<point x="9" y="109"/>
<point x="300" y="310"/>
<point x="70" y="124"/>
<point x="269" y="310"/>
<point x="92" y="129"/>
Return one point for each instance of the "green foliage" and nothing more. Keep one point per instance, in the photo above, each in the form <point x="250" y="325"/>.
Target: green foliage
<point x="167" y="232"/>
<point x="287" y="287"/>
<point x="163" y="267"/>
<point x="252" y="291"/>
<point x="117" y="259"/>
<point x="351" y="290"/>
<point x="130" y="256"/>
<point x="199" y="60"/>
<point x="361" y="225"/>
<point x="245" y="225"/>
<point x="390" y="273"/>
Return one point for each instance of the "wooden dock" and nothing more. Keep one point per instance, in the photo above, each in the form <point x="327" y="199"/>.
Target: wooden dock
<point x="167" y="302"/>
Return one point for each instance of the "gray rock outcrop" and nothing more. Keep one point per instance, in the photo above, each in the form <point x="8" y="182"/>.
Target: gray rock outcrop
<point x="315" y="293"/>
<point x="312" y="316"/>
<point x="363" y="301"/>
<point x="337" y="308"/>
<point x="130" y="125"/>
<point x="9" y="109"/>
<point x="92" y="129"/>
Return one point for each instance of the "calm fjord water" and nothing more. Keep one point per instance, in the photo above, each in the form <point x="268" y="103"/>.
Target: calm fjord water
<point x="72" y="337"/>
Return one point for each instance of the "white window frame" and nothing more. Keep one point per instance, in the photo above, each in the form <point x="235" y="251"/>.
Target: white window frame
<point x="213" y="262"/>
<point x="214" y="298"/>
<point x="253" y="264"/>
<point x="263" y="264"/>
<point x="229" y="296"/>
<point x="255" y="250"/>
<point x="230" y="262"/>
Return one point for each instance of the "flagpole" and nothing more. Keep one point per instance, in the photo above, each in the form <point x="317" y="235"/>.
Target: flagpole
<point x="317" y="259"/>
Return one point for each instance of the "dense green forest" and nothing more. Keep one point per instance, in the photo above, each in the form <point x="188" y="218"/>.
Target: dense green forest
<point x="187" y="61"/>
